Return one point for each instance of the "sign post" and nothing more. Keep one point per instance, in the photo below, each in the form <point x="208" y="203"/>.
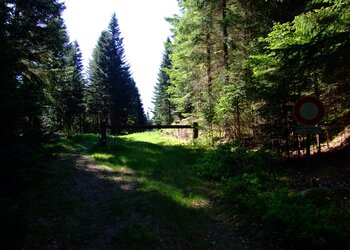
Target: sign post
<point x="308" y="111"/>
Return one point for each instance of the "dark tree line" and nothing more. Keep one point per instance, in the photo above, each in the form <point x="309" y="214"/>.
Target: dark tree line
<point x="238" y="67"/>
<point x="32" y="45"/>
<point x="43" y="88"/>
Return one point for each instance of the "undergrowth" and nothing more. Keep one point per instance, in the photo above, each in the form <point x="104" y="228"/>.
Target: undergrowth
<point x="286" y="218"/>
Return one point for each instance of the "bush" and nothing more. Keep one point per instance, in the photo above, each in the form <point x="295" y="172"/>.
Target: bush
<point x="243" y="191"/>
<point x="228" y="160"/>
<point x="217" y="163"/>
<point x="299" y="221"/>
<point x="291" y="220"/>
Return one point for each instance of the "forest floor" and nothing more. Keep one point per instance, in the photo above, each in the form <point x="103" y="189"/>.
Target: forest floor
<point x="138" y="192"/>
<point x="329" y="168"/>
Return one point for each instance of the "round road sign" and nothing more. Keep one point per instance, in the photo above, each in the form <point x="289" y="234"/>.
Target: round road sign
<point x="309" y="110"/>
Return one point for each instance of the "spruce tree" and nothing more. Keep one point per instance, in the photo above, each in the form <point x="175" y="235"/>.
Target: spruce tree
<point x="162" y="106"/>
<point x="79" y="85"/>
<point x="98" y="98"/>
<point x="112" y="94"/>
<point x="119" y="76"/>
<point x="135" y="108"/>
<point x="70" y="91"/>
<point x="32" y="38"/>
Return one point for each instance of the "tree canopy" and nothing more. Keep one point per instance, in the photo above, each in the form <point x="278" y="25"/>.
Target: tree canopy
<point x="238" y="67"/>
<point x="43" y="85"/>
<point x="32" y="42"/>
<point x="163" y="109"/>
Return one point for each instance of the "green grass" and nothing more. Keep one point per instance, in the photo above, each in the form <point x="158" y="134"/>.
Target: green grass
<point x="154" y="199"/>
<point x="168" y="192"/>
<point x="164" y="164"/>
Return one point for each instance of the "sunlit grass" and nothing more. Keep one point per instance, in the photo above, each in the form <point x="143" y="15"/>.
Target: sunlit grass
<point x="189" y="200"/>
<point x="143" y="183"/>
<point x="163" y="163"/>
<point x="151" y="182"/>
<point x="155" y="137"/>
<point x="73" y="145"/>
<point x="101" y="156"/>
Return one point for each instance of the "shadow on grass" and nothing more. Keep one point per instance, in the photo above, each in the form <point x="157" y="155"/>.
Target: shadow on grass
<point x="168" y="164"/>
<point x="169" y="198"/>
<point x="142" y="196"/>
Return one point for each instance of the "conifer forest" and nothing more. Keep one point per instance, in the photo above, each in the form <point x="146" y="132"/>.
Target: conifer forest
<point x="238" y="67"/>
<point x="43" y="87"/>
<point x="264" y="173"/>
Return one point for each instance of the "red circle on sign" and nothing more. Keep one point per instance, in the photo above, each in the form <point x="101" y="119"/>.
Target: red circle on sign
<point x="309" y="110"/>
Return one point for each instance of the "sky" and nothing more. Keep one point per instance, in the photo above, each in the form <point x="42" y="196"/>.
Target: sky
<point x="142" y="25"/>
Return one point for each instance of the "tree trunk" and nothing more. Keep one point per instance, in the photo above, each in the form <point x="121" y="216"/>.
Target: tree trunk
<point x="209" y="78"/>
<point x="224" y="38"/>
<point x="238" y="114"/>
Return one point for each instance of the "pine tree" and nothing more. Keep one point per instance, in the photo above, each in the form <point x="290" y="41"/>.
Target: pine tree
<point x="98" y="98"/>
<point x="32" y="38"/>
<point x="119" y="76"/>
<point x="79" y="86"/>
<point x="163" y="108"/>
<point x="135" y="108"/>
<point x="70" y="92"/>
<point x="112" y="94"/>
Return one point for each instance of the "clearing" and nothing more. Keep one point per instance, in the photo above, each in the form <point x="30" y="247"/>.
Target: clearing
<point x="138" y="192"/>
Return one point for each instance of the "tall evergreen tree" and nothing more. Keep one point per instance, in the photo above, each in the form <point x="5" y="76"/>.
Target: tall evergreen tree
<point x="111" y="92"/>
<point x="163" y="108"/>
<point x="32" y="37"/>
<point x="119" y="77"/>
<point x="98" y="99"/>
<point x="70" y="92"/>
<point x="136" y="112"/>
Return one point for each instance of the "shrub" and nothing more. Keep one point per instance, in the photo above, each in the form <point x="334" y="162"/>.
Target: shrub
<point x="228" y="160"/>
<point x="291" y="220"/>
<point x="243" y="191"/>
<point x="299" y="221"/>
<point x="215" y="163"/>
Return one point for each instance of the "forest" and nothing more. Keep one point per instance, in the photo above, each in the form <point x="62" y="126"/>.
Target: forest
<point x="236" y="68"/>
<point x="44" y="89"/>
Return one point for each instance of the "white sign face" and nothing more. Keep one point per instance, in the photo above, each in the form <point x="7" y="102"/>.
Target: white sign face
<point x="309" y="110"/>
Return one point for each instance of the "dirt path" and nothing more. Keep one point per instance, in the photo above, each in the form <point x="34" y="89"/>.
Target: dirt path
<point x="96" y="187"/>
<point x="110" y="205"/>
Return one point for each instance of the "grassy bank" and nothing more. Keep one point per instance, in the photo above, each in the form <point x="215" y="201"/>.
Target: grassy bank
<point x="288" y="205"/>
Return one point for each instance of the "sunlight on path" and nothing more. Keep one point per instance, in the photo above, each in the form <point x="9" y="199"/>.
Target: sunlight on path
<point x="144" y="186"/>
